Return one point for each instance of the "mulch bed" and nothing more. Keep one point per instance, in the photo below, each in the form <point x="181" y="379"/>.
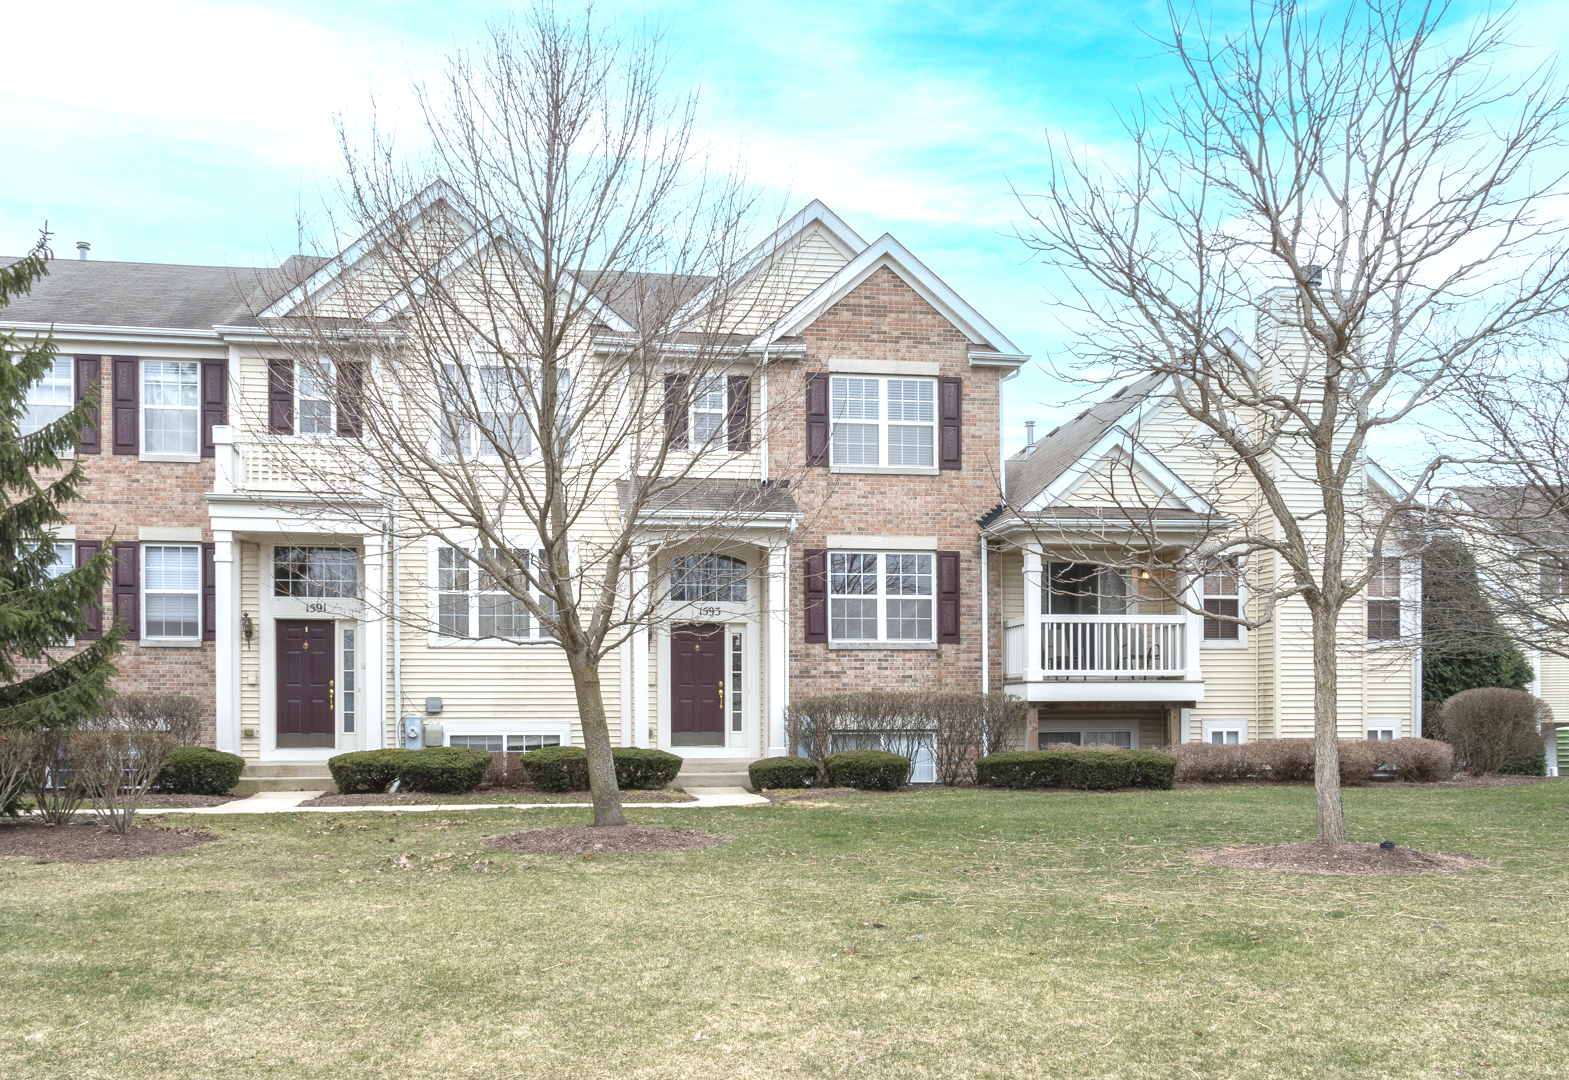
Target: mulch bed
<point x="188" y="800"/>
<point x="1312" y="857"/>
<point x="88" y="842"/>
<point x="589" y="840"/>
<point x="1462" y="780"/>
<point x="490" y="796"/>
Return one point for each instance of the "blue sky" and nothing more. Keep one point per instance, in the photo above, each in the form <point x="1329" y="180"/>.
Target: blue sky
<point x="192" y="131"/>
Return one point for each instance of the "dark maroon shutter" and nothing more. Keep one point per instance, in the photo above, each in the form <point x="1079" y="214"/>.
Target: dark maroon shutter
<point x="740" y="412"/>
<point x="125" y="391"/>
<point x="950" y="440"/>
<point x="215" y="401"/>
<point x="209" y="592"/>
<point x="127" y="579"/>
<point x="86" y="551"/>
<point x="676" y="414"/>
<point x="817" y="419"/>
<point x="351" y="384"/>
<point x="89" y="380"/>
<point x="816" y="568"/>
<point x="280" y="397"/>
<point x="948" y="597"/>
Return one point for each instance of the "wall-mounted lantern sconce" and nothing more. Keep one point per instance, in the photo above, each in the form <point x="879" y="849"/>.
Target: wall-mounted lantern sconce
<point x="247" y="627"/>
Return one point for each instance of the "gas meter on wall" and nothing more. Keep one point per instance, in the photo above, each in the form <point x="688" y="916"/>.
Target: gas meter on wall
<point x="413" y="733"/>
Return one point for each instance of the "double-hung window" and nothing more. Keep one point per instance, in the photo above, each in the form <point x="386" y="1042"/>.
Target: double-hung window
<point x="313" y="399"/>
<point x="50" y="398"/>
<point x="883" y="422"/>
<point x="474" y="601"/>
<point x="1383" y="601"/>
<point x="485" y="417"/>
<point x="709" y="395"/>
<point x="880" y="597"/>
<point x="308" y="572"/>
<point x="171" y="591"/>
<point x="171" y="407"/>
<point x="1222" y="596"/>
<point x="1554" y="581"/>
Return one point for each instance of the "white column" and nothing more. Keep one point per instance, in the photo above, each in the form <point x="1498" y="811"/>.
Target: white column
<point x="226" y="643"/>
<point x="1033" y="671"/>
<point x="373" y="694"/>
<point x="1552" y="750"/>
<point x="777" y="638"/>
<point x="1194" y="595"/>
<point x="225" y="459"/>
<point x="640" y="653"/>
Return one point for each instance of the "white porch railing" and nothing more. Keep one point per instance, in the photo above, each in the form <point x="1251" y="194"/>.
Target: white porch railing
<point x="1100" y="647"/>
<point x="247" y="463"/>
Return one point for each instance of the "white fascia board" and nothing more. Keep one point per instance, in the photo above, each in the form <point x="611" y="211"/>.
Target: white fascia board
<point x="887" y="251"/>
<point x="1157" y="473"/>
<point x="839" y="235"/>
<point x="143" y="335"/>
<point x="1392" y="487"/>
<point x="351" y="255"/>
<point x="990" y="358"/>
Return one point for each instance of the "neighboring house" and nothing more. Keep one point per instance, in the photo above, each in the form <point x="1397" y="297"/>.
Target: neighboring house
<point x="142" y="337"/>
<point x="317" y="634"/>
<point x="1094" y="638"/>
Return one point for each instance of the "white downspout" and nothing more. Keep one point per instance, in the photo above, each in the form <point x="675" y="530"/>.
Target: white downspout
<point x="986" y="622"/>
<point x="395" y="550"/>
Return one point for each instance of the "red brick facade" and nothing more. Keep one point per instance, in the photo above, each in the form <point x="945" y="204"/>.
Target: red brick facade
<point x="123" y="495"/>
<point x="883" y="319"/>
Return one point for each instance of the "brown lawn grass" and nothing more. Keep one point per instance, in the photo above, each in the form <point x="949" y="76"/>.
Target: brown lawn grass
<point x="1023" y="934"/>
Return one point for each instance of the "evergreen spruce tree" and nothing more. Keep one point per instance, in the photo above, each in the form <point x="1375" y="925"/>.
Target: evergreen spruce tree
<point x="1464" y="646"/>
<point x="38" y="612"/>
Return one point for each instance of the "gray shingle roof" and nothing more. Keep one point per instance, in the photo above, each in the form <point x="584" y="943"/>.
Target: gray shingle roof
<point x="1027" y="475"/>
<point x="93" y="292"/>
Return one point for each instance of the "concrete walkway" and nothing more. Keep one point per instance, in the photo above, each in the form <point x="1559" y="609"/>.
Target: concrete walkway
<point x="288" y="802"/>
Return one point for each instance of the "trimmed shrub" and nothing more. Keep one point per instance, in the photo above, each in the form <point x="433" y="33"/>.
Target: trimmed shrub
<point x="783" y="772"/>
<point x="1085" y="770"/>
<point x="1529" y="765"/>
<point x="449" y="770"/>
<point x="1420" y="761"/>
<point x="565" y="768"/>
<point x="505" y="771"/>
<point x="643" y="770"/>
<point x="954" y="727"/>
<point x="196" y="770"/>
<point x="1287" y="760"/>
<point x="178" y="715"/>
<point x="870" y="770"/>
<point x="1493" y="729"/>
<point x="363" y="771"/>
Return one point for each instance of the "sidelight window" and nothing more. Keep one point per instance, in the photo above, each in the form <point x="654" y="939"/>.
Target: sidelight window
<point x="350" y="691"/>
<point x="880" y="597"/>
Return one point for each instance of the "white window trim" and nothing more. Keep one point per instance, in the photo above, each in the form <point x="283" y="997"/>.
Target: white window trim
<point x="1208" y="727"/>
<point x="882" y="426"/>
<point x="1409" y="627"/>
<point x="1384" y="723"/>
<point x="269" y="581"/>
<point x="720" y="439"/>
<point x="165" y="641"/>
<point x="438" y="640"/>
<point x="70" y="451"/>
<point x="143" y="454"/>
<point x="1241" y="640"/>
<point x="1049" y="727"/>
<point x="299" y="399"/>
<point x="882" y="640"/>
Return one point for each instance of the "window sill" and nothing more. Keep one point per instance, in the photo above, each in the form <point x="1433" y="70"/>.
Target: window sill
<point x="927" y="646"/>
<point x="1224" y="644"/>
<point x="191" y="459"/>
<point x="170" y="643"/>
<point x="884" y="470"/>
<point x="486" y="643"/>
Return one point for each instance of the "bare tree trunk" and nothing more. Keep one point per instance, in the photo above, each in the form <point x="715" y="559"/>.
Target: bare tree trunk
<point x="1330" y="812"/>
<point x="596" y="739"/>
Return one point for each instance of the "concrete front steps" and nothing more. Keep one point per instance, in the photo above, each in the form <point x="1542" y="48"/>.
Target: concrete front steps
<point x="712" y="773"/>
<point x="285" y="776"/>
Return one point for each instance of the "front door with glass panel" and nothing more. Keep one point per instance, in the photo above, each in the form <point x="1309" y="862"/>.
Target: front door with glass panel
<point x="698" y="662"/>
<point x="307" y="684"/>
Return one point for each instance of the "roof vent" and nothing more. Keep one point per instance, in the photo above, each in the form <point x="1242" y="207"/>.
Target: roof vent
<point x="1029" y="433"/>
<point x="82" y="248"/>
<point x="1314" y="275"/>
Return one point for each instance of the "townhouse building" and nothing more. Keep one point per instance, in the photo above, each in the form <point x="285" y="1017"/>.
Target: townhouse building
<point x="890" y="561"/>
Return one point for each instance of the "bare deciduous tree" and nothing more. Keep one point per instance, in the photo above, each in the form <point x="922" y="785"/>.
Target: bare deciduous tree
<point x="1370" y="193"/>
<point x="559" y="389"/>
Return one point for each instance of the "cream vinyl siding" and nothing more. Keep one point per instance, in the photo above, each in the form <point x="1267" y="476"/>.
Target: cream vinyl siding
<point x="250" y="651"/>
<point x="1012" y="569"/>
<point x="797" y="270"/>
<point x="1116" y="482"/>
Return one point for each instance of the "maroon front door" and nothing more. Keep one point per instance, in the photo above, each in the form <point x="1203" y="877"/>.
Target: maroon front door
<point x="305" y="683"/>
<point x="697" y="685"/>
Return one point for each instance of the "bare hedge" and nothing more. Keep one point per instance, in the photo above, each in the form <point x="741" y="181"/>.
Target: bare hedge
<point x="1292" y="760"/>
<point x="1491" y="728"/>
<point x="956" y="727"/>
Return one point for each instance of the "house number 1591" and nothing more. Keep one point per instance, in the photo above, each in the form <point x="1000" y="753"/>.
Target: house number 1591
<point x="316" y="607"/>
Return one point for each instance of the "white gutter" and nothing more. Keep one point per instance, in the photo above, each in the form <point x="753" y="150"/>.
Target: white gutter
<point x="89" y="332"/>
